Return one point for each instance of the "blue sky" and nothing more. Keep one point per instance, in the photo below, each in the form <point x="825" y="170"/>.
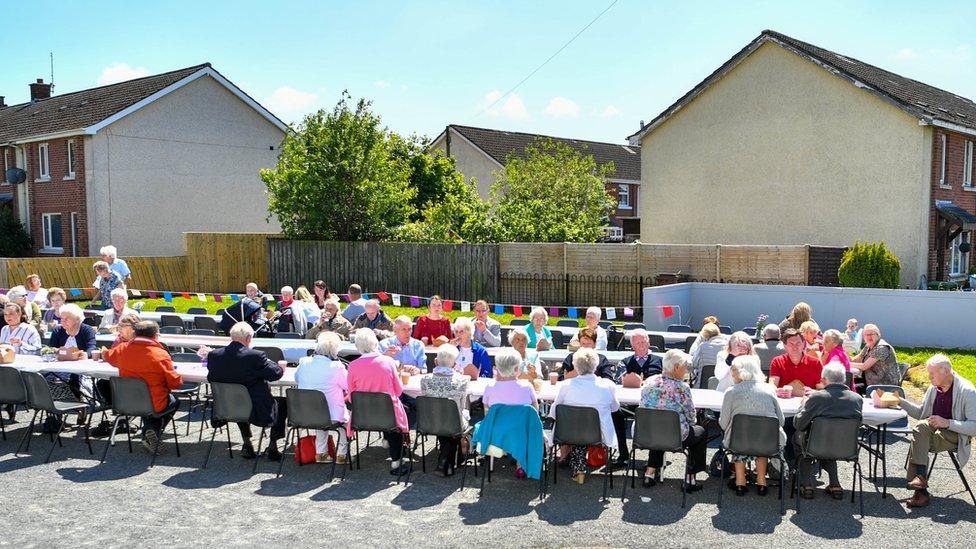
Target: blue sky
<point x="429" y="64"/>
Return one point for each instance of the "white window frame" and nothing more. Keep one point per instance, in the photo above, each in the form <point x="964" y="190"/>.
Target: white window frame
<point x="958" y="261"/>
<point x="74" y="234"/>
<point x="967" y="166"/>
<point x="623" y="190"/>
<point x="43" y="162"/>
<point x="70" y="154"/>
<point x="47" y="235"/>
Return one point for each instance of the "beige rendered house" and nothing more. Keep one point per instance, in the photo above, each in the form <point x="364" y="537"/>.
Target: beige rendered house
<point x="136" y="164"/>
<point x="789" y="143"/>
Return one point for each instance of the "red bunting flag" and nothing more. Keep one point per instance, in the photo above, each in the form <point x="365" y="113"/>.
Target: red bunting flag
<point x="668" y="311"/>
<point x="186" y="295"/>
<point x="383" y="296"/>
<point x="448" y="305"/>
<point x="517" y="309"/>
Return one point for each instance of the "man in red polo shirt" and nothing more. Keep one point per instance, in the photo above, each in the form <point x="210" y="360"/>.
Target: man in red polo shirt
<point x="795" y="365"/>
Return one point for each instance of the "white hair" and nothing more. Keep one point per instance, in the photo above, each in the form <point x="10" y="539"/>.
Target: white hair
<point x="447" y="355"/>
<point x="73" y="311"/>
<point x="672" y="359"/>
<point x="639" y="332"/>
<point x="121" y="292"/>
<point x="241" y="332"/>
<point x="517" y="333"/>
<point x="328" y="344"/>
<point x="538" y="311"/>
<point x="834" y="372"/>
<point x="109" y="250"/>
<point x="287" y="290"/>
<point x="740" y="338"/>
<point x="374" y="302"/>
<point x="771" y="331"/>
<point x="507" y="361"/>
<point x="595" y="310"/>
<point x="464" y="323"/>
<point x="834" y="336"/>
<point x="749" y="368"/>
<point x="402" y="320"/>
<point x="331" y="301"/>
<point x="585" y="361"/>
<point x="939" y="360"/>
<point x="366" y="341"/>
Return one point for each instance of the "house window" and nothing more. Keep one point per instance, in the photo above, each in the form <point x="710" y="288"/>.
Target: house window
<point x="43" y="164"/>
<point x="71" y="160"/>
<point x="623" y="197"/>
<point x="52" y="232"/>
<point x="959" y="261"/>
<point x="967" y="166"/>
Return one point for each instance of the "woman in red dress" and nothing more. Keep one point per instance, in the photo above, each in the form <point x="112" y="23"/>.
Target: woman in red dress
<point x="432" y="325"/>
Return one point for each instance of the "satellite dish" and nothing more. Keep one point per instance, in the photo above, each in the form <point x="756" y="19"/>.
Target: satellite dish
<point x="16" y="176"/>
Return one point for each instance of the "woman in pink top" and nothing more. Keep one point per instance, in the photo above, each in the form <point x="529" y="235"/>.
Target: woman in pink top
<point x="376" y="373"/>
<point x="833" y="350"/>
<point x="507" y="389"/>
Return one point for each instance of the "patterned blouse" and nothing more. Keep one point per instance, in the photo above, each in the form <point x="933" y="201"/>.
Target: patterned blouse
<point x="885" y="370"/>
<point x="666" y="393"/>
<point x="453" y="387"/>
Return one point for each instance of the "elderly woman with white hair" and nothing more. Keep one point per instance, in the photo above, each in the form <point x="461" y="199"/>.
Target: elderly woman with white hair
<point x="593" y="315"/>
<point x="447" y="382"/>
<point x="668" y="391"/>
<point x="472" y="356"/>
<point x="833" y="350"/>
<point x="537" y="330"/>
<point x="508" y="388"/>
<point x="712" y="343"/>
<point x="31" y="312"/>
<point x="119" y="308"/>
<point x="586" y="389"/>
<point x="739" y="344"/>
<point x="375" y="372"/>
<point x="750" y="395"/>
<point x="73" y="332"/>
<point x="105" y="281"/>
<point x="323" y="371"/>
<point x="292" y="313"/>
<point x="531" y="367"/>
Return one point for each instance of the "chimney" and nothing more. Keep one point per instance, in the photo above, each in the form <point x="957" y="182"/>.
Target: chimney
<point x="2" y="102"/>
<point x="40" y="90"/>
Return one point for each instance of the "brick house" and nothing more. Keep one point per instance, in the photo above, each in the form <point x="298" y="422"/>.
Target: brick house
<point x="790" y="143"/>
<point x="480" y="152"/>
<point x="137" y="163"/>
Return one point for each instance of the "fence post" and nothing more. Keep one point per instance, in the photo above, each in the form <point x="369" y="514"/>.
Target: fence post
<point x="806" y="265"/>
<point x="718" y="262"/>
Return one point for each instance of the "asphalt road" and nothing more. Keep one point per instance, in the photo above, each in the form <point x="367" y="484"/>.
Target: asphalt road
<point x="76" y="501"/>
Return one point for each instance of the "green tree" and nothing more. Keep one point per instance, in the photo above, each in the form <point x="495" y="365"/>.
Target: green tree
<point x="432" y="174"/>
<point x="553" y="193"/>
<point x="337" y="178"/>
<point x="14" y="239"/>
<point x="869" y="265"/>
<point x="459" y="215"/>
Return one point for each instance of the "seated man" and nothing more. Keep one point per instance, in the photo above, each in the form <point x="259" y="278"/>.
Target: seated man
<point x="375" y="319"/>
<point x="795" y="368"/>
<point x="147" y="359"/>
<point x="947" y="422"/>
<point x="120" y="307"/>
<point x="770" y="348"/>
<point x="407" y="351"/>
<point x="487" y="330"/>
<point x="357" y="305"/>
<point x="835" y="400"/>
<point x="642" y="364"/>
<point x="238" y="363"/>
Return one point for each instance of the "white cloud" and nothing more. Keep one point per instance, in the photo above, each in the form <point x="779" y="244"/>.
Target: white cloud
<point x="381" y="84"/>
<point x="404" y="87"/>
<point x="120" y="72"/>
<point x="905" y="54"/>
<point x="561" y="107"/>
<point x="512" y="107"/>
<point x="610" y="111"/>
<point x="288" y="102"/>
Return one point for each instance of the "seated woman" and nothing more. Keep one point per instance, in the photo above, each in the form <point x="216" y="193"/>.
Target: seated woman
<point x="710" y="319"/>
<point x="507" y="388"/>
<point x="31" y="312"/>
<point x="472" y="357"/>
<point x="35" y="293"/>
<point x="530" y="367"/>
<point x="324" y="372"/>
<point x="304" y="299"/>
<point x="586" y="389"/>
<point x="322" y="293"/>
<point x="20" y="335"/>
<point x="375" y="372"/>
<point x="801" y="313"/>
<point x="432" y="325"/>
<point x="125" y="331"/>
<point x="833" y="351"/>
<point x="330" y="321"/>
<point x="876" y="361"/>
<point x="587" y="340"/>
<point x="739" y="344"/>
<point x="119" y="308"/>
<point x="447" y="382"/>
<point x="593" y="315"/>
<point x="668" y="391"/>
<point x="753" y="396"/>
<point x="537" y="331"/>
<point x="712" y="343"/>
<point x="810" y="331"/>
<point x="73" y="332"/>
<point x="56" y="297"/>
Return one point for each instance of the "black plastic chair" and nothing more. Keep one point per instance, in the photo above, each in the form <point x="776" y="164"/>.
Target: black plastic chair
<point x="566" y="323"/>
<point x="171" y="320"/>
<point x="309" y="409"/>
<point x="755" y="436"/>
<point x="656" y="340"/>
<point x="727" y="330"/>
<point x="196" y="311"/>
<point x="580" y="426"/>
<point x="605" y="324"/>
<point x="836" y="439"/>
<point x="750" y="331"/>
<point x="201" y="332"/>
<point x="232" y="404"/>
<point x="166" y="309"/>
<point x="171" y="330"/>
<point x="689" y="341"/>
<point x="614" y="339"/>
<point x="520" y="322"/>
<point x="656" y="430"/>
<point x="680" y="328"/>
<point x="558" y="340"/>
<point x="93" y="321"/>
<point x="274" y="354"/>
<point x="437" y="417"/>
<point x="12" y="393"/>
<point x="373" y="413"/>
<point x="206" y="323"/>
<point x="288" y="335"/>
<point x="39" y="399"/>
<point x="130" y="399"/>
<point x="632" y="325"/>
<point x="707" y="372"/>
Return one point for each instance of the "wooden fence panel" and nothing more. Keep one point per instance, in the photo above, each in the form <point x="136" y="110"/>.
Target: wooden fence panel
<point x="697" y="261"/>
<point x="148" y="273"/>
<point x="763" y="264"/>
<point x="225" y="262"/>
<point x="532" y="257"/>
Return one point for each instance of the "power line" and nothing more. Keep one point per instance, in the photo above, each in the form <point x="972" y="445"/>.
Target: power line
<point x="544" y="63"/>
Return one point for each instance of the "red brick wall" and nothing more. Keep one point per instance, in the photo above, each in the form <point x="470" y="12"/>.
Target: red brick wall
<point x="953" y="189"/>
<point x="614" y="190"/>
<point x="58" y="195"/>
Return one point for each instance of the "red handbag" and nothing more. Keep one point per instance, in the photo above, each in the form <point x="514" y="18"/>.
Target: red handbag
<point x="305" y="451"/>
<point x="596" y="456"/>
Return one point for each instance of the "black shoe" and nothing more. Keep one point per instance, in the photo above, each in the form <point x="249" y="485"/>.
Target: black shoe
<point x="102" y="430"/>
<point x="247" y="452"/>
<point x="731" y="483"/>
<point x="650" y="481"/>
<point x="273" y="454"/>
<point x="621" y="462"/>
<point x="401" y="470"/>
<point x="692" y="487"/>
<point x="762" y="489"/>
<point x="741" y="490"/>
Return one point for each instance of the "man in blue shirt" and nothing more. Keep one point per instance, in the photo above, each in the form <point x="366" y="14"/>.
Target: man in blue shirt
<point x="357" y="305"/>
<point x="409" y="352"/>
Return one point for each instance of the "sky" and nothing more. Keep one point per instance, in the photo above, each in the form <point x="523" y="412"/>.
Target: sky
<point x="428" y="64"/>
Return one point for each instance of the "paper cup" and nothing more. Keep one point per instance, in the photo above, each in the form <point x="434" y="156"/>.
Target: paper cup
<point x="553" y="378"/>
<point x="282" y="364"/>
<point x="96" y="355"/>
<point x="404" y="378"/>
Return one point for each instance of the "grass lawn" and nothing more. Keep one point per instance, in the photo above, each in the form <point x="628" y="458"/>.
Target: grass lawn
<point x="963" y="361"/>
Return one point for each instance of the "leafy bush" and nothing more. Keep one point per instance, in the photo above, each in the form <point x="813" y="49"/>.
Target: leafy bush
<point x="14" y="239"/>
<point x="943" y="286"/>
<point x="869" y="265"/>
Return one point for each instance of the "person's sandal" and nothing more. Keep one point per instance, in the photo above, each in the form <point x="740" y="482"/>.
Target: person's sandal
<point x="806" y="492"/>
<point x="835" y="492"/>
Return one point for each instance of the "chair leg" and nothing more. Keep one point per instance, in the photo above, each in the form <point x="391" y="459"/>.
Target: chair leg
<point x="159" y="442"/>
<point x="860" y="482"/>
<point x="484" y="475"/>
<point x="962" y="476"/>
<point x="57" y="440"/>
<point x="230" y="451"/>
<point x="111" y="438"/>
<point x="684" y="490"/>
<point x="176" y="438"/>
<point x="411" y="453"/>
<point x="27" y="434"/>
<point x="795" y="484"/>
<point x="782" y="471"/>
<point x="206" y="460"/>
<point x="257" y="453"/>
<point x="284" y="450"/>
<point x="721" y="482"/>
<point x="359" y="464"/>
<point x="128" y="432"/>
<point x="423" y="452"/>
<point x="88" y="435"/>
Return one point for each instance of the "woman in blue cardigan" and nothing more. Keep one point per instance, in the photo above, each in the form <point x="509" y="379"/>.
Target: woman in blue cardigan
<point x="472" y="357"/>
<point x="73" y="332"/>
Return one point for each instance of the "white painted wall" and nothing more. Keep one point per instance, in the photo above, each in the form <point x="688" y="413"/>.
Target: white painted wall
<point x="907" y="318"/>
<point x="470" y="160"/>
<point x="187" y="162"/>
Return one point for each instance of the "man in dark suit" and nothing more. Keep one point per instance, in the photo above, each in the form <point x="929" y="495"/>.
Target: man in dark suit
<point x="238" y="363"/>
<point x="642" y="364"/>
<point x="835" y="400"/>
